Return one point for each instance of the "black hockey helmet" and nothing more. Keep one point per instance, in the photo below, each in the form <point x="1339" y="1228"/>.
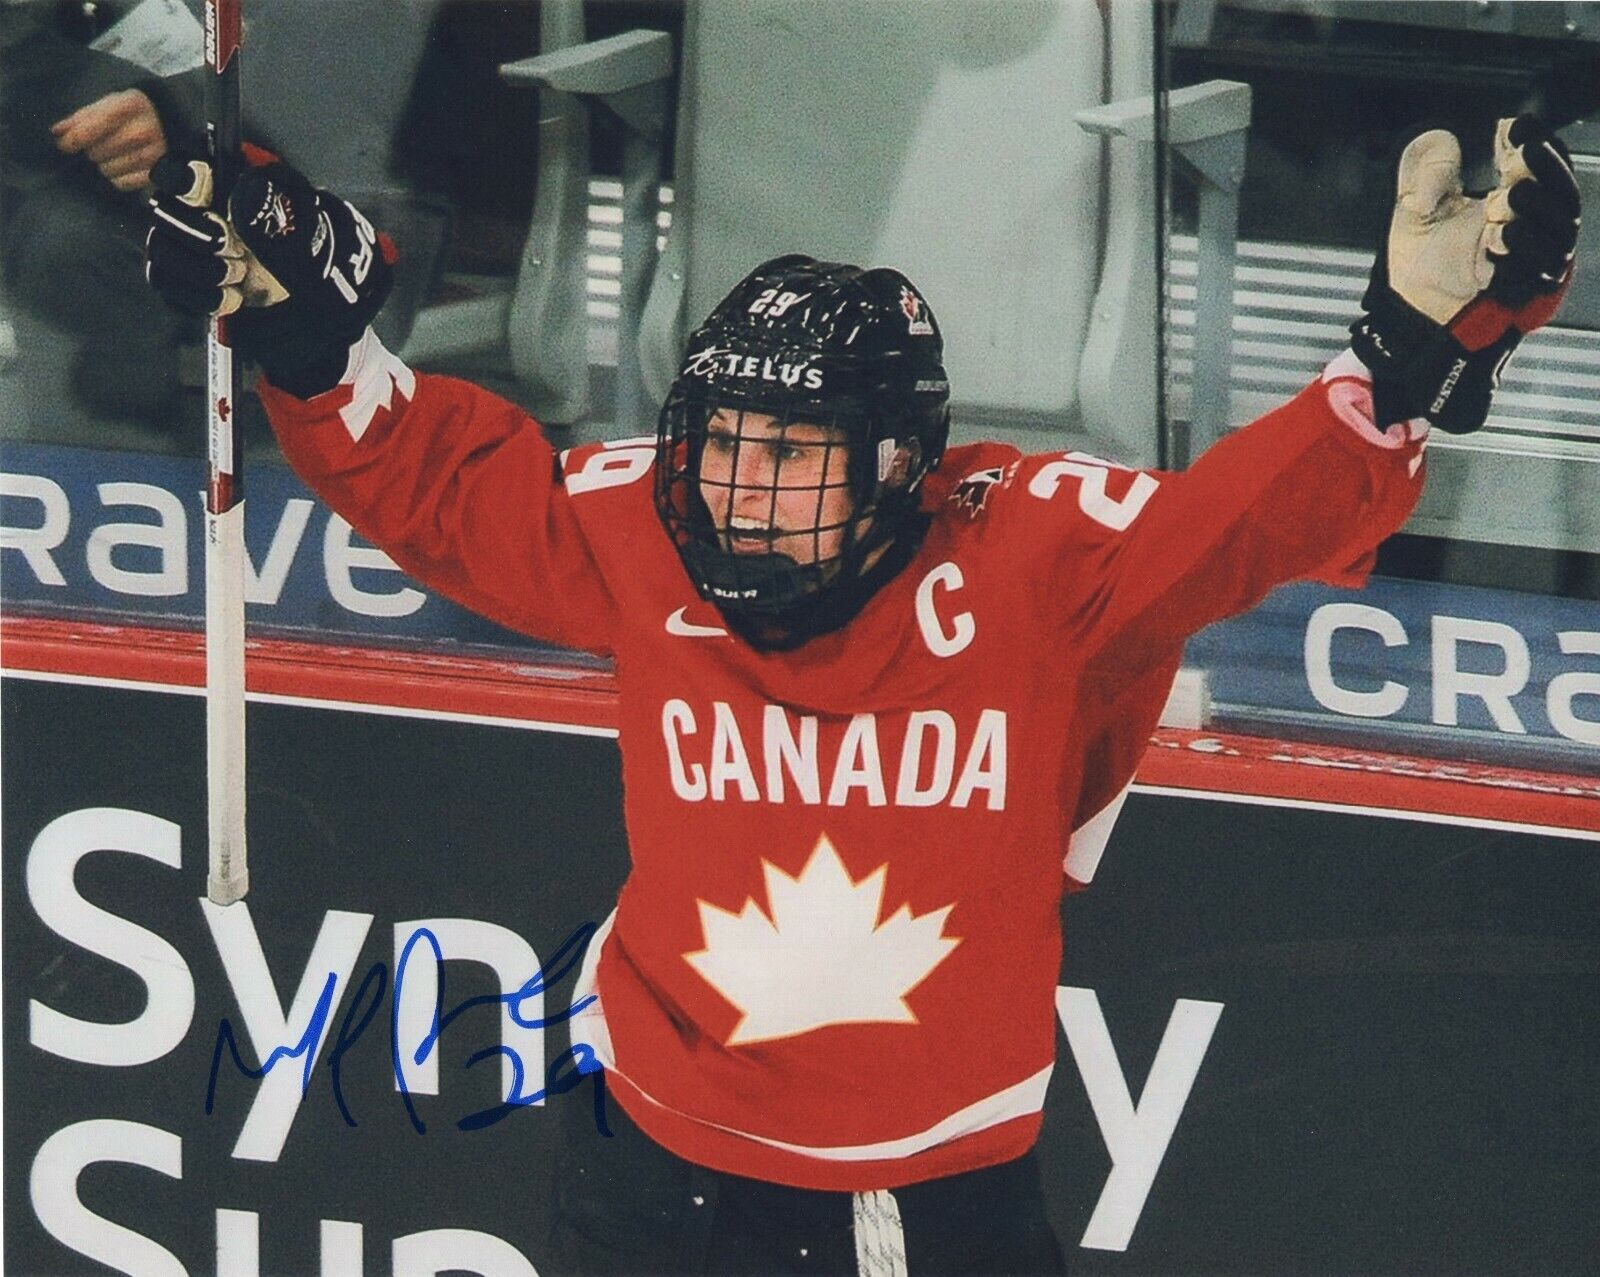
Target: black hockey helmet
<point x="824" y="344"/>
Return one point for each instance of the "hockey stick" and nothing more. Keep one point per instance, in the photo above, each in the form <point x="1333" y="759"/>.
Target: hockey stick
<point x="228" y="876"/>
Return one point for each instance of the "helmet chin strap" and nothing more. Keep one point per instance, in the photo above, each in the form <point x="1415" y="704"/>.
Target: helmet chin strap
<point x="777" y="603"/>
<point x="754" y="582"/>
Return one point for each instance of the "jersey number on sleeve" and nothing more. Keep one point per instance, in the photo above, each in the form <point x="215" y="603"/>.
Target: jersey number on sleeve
<point x="616" y="463"/>
<point x="1115" y="513"/>
<point x="360" y="261"/>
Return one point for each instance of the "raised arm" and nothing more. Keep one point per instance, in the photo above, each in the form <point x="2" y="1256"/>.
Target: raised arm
<point x="1309" y="490"/>
<point x="1313" y="487"/>
<point x="458" y="486"/>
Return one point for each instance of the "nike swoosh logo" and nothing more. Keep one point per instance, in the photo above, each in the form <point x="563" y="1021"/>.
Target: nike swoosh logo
<point x="688" y="629"/>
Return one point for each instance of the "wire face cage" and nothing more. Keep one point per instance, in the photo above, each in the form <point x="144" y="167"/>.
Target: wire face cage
<point x="806" y="412"/>
<point x="771" y="505"/>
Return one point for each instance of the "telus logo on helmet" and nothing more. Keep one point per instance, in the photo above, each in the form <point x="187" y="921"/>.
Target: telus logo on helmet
<point x="728" y="363"/>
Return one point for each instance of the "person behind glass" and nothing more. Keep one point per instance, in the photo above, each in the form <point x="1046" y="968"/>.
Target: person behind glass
<point x="79" y="130"/>
<point x="880" y="698"/>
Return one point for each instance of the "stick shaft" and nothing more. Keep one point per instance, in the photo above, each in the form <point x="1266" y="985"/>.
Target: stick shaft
<point x="227" y="872"/>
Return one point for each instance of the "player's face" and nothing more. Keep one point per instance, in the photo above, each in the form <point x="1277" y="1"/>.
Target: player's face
<point x="776" y="488"/>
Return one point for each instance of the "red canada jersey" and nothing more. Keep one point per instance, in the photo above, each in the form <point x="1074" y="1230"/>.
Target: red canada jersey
<point x="833" y="963"/>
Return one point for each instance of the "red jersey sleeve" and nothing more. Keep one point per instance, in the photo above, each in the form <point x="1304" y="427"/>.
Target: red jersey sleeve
<point x="458" y="486"/>
<point x="1112" y="727"/>
<point x="1307" y="491"/>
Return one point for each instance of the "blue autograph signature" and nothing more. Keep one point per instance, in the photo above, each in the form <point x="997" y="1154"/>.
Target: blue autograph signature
<point x="565" y="1072"/>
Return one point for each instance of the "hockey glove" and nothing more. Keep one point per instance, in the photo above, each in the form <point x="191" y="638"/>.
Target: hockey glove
<point x="1460" y="280"/>
<point x="299" y="272"/>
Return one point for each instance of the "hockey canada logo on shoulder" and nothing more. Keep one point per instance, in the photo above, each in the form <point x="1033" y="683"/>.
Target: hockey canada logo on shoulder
<point x="972" y="493"/>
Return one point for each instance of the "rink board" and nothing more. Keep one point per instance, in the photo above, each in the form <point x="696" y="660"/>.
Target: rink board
<point x="1401" y="1077"/>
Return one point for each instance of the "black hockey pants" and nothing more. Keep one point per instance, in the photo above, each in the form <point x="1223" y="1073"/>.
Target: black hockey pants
<point x="627" y="1206"/>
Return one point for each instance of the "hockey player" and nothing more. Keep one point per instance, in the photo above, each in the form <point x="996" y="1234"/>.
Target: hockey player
<point x="876" y="694"/>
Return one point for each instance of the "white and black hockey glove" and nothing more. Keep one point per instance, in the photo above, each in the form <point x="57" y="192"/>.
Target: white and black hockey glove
<point x="299" y="272"/>
<point x="1461" y="279"/>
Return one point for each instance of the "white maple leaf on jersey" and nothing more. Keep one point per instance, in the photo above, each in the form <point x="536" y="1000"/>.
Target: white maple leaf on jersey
<point x="819" y="955"/>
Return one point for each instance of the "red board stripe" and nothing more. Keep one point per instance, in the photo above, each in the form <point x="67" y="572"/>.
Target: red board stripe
<point x="1350" y="777"/>
<point x="536" y="691"/>
<point x="423" y="681"/>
